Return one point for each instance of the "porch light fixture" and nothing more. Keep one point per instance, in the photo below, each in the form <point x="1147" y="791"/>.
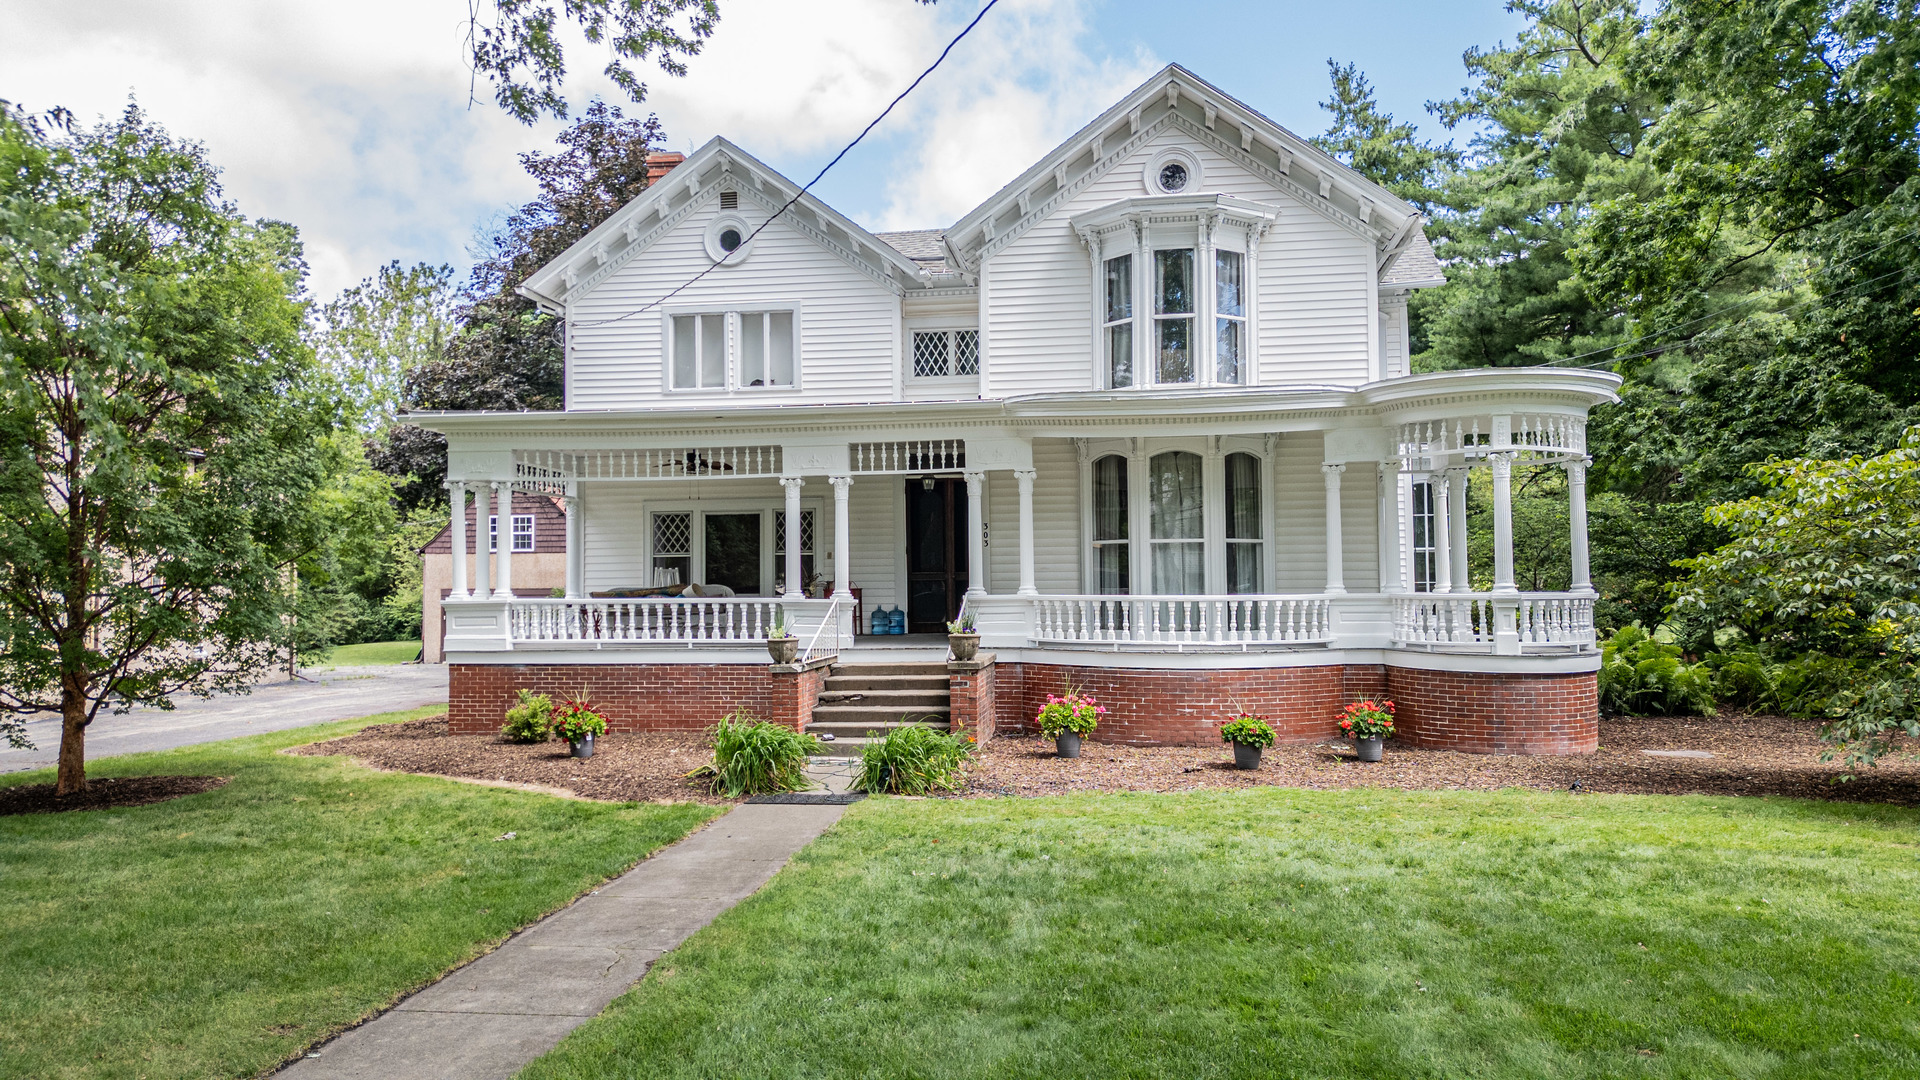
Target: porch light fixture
<point x="926" y="483"/>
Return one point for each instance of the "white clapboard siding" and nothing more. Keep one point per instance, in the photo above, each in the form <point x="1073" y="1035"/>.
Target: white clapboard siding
<point x="1300" y="513"/>
<point x="875" y="514"/>
<point x="1312" y="276"/>
<point x="1360" y="526"/>
<point x="1056" y="522"/>
<point x="847" y="319"/>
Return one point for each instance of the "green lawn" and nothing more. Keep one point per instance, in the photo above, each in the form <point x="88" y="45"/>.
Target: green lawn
<point x="1281" y="933"/>
<point x="367" y="654"/>
<point x="213" y="935"/>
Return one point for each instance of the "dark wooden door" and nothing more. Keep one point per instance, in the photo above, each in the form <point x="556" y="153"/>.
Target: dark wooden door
<point x="936" y="553"/>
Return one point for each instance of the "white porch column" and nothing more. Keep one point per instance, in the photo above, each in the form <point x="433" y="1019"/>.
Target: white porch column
<point x="576" y="531"/>
<point x="842" y="538"/>
<point x="1502" y="464"/>
<point x="1457" y="518"/>
<point x="1442" y="530"/>
<point x="457" y="496"/>
<point x="976" y="551"/>
<point x="1026" y="477"/>
<point x="793" y="484"/>
<point x="482" y="553"/>
<point x="503" y="580"/>
<point x="1393" y="533"/>
<point x="1577" y="525"/>
<point x="1336" y="568"/>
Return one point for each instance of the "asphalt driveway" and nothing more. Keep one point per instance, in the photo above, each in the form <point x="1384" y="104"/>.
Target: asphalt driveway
<point x="338" y="694"/>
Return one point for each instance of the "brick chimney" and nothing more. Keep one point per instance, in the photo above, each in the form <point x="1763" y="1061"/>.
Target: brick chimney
<point x="661" y="163"/>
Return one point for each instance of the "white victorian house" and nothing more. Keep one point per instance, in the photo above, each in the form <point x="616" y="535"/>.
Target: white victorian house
<point x="1145" y="413"/>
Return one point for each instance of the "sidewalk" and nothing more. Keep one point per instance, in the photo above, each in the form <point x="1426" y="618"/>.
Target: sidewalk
<point x="488" y="1019"/>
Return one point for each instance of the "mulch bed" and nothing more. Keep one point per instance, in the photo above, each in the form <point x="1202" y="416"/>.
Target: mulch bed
<point x="107" y="794"/>
<point x="623" y="768"/>
<point x="1750" y="755"/>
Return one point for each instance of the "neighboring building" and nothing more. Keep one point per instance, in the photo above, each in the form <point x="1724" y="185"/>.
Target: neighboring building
<point x="1146" y="412"/>
<point x="539" y="563"/>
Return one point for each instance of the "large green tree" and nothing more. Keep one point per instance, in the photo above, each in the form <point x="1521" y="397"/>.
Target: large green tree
<point x="158" y="422"/>
<point x="375" y="333"/>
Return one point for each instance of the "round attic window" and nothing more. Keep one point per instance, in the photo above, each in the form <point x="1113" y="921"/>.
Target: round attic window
<point x="729" y="239"/>
<point x="1173" y="177"/>
<point x="726" y="240"/>
<point x="1172" y="171"/>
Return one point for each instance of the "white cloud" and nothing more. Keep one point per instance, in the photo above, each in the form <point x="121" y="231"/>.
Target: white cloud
<point x="349" y="117"/>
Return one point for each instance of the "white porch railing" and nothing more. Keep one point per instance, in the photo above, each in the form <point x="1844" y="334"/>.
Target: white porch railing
<point x="656" y="620"/>
<point x="1183" y="620"/>
<point x="1477" y="622"/>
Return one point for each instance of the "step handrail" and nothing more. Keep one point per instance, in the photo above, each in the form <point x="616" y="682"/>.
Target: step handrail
<point x="832" y="616"/>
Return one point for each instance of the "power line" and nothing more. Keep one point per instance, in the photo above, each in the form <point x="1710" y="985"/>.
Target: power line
<point x="844" y="151"/>
<point x="1736" y="304"/>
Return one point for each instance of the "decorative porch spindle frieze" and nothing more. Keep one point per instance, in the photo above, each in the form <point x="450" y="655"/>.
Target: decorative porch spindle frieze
<point x="1429" y="445"/>
<point x="535" y="468"/>
<point x="909" y="456"/>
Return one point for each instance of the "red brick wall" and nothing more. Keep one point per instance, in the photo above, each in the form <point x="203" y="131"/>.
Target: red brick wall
<point x="970" y="693"/>
<point x="1485" y="713"/>
<point x="634" y="697"/>
<point x="1175" y="707"/>
<point x="793" y="694"/>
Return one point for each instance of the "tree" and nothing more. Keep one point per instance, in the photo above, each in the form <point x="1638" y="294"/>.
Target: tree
<point x="159" y="413"/>
<point x="509" y="355"/>
<point x="521" y="54"/>
<point x="373" y="334"/>
<point x="1383" y="150"/>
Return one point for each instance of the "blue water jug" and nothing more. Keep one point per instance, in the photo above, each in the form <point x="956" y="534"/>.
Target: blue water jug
<point x="879" y="623"/>
<point x="898" y="622"/>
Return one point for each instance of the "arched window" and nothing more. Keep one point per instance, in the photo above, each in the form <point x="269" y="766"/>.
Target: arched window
<point x="1110" y="547"/>
<point x="1177" y="523"/>
<point x="1246" y="547"/>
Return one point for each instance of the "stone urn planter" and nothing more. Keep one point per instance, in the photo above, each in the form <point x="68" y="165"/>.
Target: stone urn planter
<point x="1370" y="748"/>
<point x="1067" y="744"/>
<point x="784" y="650"/>
<point x="964" y="646"/>
<point x="1245" y="756"/>
<point x="582" y="747"/>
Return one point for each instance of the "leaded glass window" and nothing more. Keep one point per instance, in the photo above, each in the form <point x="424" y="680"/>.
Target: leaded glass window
<point x="672" y="549"/>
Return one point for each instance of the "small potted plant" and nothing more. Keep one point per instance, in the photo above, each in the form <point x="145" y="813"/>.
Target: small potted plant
<point x="1249" y="735"/>
<point x="1369" y="724"/>
<point x="578" y="721"/>
<point x="962" y="638"/>
<point x="781" y="644"/>
<point x="1068" y="717"/>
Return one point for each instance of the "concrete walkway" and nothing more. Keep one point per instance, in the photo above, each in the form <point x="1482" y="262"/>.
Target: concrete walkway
<point x="503" y="1010"/>
<point x="275" y="705"/>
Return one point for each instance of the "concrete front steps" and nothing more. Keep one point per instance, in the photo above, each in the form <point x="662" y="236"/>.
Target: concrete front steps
<point x="859" y="699"/>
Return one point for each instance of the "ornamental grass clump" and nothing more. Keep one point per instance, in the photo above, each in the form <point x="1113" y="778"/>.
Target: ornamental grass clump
<point x="575" y="718"/>
<point x="1367" y="720"/>
<point x="530" y="720"/>
<point x="913" y="760"/>
<point x="754" y="757"/>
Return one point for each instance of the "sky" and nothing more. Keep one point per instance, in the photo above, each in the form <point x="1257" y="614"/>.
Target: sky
<point x="351" y="118"/>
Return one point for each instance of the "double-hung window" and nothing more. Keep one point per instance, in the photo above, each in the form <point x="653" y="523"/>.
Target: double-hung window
<point x="1177" y="523"/>
<point x="522" y="532"/>
<point x="1424" y="547"/>
<point x="1246" y="550"/>
<point x="732" y="350"/>
<point x="1111" y="569"/>
<point x="938" y="354"/>
<point x="1173" y="314"/>
<point x="1229" y="315"/>
<point x="1117" y="321"/>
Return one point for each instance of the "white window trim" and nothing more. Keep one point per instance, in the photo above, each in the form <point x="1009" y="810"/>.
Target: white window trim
<point x="532" y="533"/>
<point x="771" y="567"/>
<point x="1213" y="453"/>
<point x="951" y="328"/>
<point x="733" y="312"/>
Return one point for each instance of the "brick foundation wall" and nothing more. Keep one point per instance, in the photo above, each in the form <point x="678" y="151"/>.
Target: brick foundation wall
<point x="794" y="691"/>
<point x="1487" y="713"/>
<point x="634" y="697"/>
<point x="970" y="692"/>
<point x="1180" y="708"/>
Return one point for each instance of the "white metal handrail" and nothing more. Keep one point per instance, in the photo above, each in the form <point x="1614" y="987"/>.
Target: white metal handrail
<point x="832" y="616"/>
<point x="654" y="619"/>
<point x="1252" y="619"/>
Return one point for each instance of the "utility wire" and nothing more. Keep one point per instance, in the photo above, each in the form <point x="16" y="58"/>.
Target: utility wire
<point x="844" y="151"/>
<point x="1736" y="304"/>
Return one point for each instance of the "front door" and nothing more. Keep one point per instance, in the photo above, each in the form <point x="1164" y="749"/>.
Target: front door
<point x="936" y="553"/>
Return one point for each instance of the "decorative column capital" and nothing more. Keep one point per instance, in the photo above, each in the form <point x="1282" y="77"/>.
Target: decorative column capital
<point x="1025" y="476"/>
<point x="793" y="483"/>
<point x="840" y="483"/>
<point x="1501" y="461"/>
<point x="973" y="476"/>
<point x="1332" y="470"/>
<point x="1576" y="469"/>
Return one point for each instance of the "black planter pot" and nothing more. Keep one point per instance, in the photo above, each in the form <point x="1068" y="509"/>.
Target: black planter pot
<point x="1067" y="743"/>
<point x="1245" y="756"/>
<point x="582" y="747"/>
<point x="1370" y="749"/>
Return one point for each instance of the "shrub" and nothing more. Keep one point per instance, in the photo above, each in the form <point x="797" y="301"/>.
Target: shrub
<point x="913" y="760"/>
<point x="1367" y="720"/>
<point x="1247" y="730"/>
<point x="754" y="757"/>
<point x="530" y="720"/>
<point x="1069" y="710"/>
<point x="576" y="718"/>
<point x="1642" y="676"/>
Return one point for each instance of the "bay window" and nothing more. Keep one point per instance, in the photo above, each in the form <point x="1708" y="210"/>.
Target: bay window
<point x="1230" y="316"/>
<point x="1117" y="329"/>
<point x="1202" y="520"/>
<point x="1246" y="548"/>
<point x="1176" y="523"/>
<point x="1173" y="315"/>
<point x="1111" y="552"/>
